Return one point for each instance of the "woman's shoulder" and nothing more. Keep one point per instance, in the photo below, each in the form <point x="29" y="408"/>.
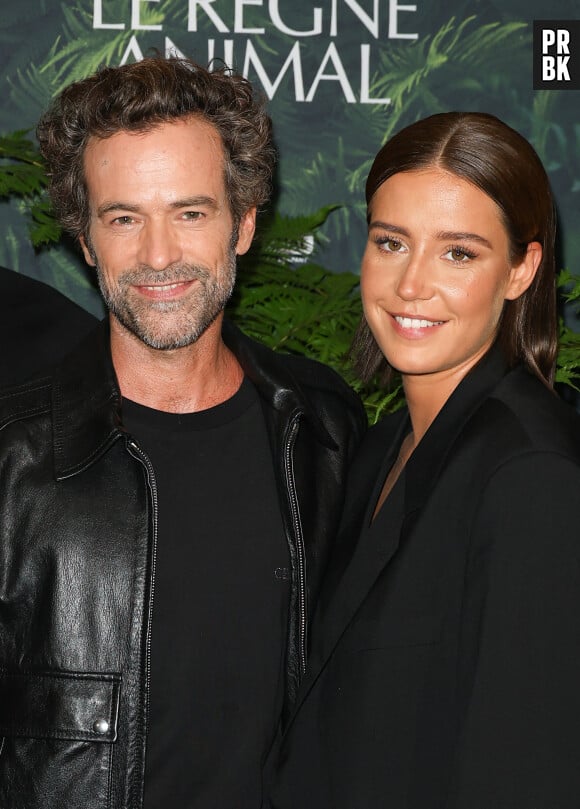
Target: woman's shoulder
<point x="525" y="474"/>
<point x="531" y="417"/>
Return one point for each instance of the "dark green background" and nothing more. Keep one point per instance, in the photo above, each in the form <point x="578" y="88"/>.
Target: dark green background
<point x="470" y="54"/>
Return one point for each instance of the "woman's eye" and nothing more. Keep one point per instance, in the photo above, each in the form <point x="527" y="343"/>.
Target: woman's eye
<point x="459" y="254"/>
<point x="391" y="245"/>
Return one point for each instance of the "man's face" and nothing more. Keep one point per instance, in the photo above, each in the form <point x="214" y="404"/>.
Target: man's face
<point x="161" y="233"/>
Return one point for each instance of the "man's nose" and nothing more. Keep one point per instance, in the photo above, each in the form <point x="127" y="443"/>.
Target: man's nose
<point x="159" y="245"/>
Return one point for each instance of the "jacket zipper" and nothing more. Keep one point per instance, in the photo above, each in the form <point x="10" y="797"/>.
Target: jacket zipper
<point x="136" y="451"/>
<point x="300" y="552"/>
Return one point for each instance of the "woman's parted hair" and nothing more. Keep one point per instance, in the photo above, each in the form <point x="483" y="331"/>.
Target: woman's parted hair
<point x="484" y="151"/>
<point x="136" y="98"/>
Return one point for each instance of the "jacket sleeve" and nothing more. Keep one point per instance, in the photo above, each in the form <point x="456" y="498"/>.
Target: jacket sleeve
<point x="520" y="741"/>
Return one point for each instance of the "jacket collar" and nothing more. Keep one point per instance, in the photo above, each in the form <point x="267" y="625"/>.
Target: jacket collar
<point x="86" y="404"/>
<point x="422" y="472"/>
<point x="428" y="460"/>
<point x="86" y="400"/>
<point x="274" y="379"/>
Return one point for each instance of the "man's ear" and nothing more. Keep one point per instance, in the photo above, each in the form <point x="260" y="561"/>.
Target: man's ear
<point x="88" y="254"/>
<point x="246" y="230"/>
<point x="522" y="275"/>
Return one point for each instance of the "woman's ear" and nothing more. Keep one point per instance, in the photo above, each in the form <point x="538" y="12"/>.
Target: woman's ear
<point x="522" y="275"/>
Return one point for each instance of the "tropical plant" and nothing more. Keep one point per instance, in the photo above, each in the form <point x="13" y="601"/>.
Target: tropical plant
<point x="22" y="175"/>
<point x="478" y="59"/>
<point x="462" y="64"/>
<point x="283" y="296"/>
<point x="289" y="302"/>
<point x="568" y="370"/>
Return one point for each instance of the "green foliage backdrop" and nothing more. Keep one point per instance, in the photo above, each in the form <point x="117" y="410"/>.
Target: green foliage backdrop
<point x="468" y="54"/>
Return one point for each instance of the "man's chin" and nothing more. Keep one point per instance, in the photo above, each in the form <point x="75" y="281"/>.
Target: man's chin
<point x="165" y="338"/>
<point x="163" y="341"/>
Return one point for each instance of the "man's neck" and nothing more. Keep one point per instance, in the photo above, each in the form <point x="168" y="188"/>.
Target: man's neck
<point x="184" y="380"/>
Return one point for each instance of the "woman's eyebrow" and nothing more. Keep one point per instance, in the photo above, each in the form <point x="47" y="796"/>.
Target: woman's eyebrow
<point x="452" y="235"/>
<point x="377" y="223"/>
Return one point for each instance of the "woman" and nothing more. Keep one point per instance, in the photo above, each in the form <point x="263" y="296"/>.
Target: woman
<point x="445" y="663"/>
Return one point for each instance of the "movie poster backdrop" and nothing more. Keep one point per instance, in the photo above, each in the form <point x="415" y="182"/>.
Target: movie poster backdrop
<point x="341" y="76"/>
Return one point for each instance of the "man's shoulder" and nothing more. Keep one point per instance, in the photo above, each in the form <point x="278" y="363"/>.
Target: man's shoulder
<point x="315" y="376"/>
<point x="283" y="371"/>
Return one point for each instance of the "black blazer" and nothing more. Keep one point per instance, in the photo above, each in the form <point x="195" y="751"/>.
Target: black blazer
<point x="38" y="326"/>
<point x="445" y="663"/>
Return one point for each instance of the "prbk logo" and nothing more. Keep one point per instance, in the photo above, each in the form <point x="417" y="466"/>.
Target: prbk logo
<point x="556" y="54"/>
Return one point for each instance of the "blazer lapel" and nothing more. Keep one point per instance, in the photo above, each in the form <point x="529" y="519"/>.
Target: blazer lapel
<point x="440" y="441"/>
<point x="369" y="560"/>
<point x="345" y="590"/>
<point x="354" y="573"/>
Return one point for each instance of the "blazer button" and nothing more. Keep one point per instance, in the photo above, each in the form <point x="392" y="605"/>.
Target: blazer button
<point x="100" y="726"/>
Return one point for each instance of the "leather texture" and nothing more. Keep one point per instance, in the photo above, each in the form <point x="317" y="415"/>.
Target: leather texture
<point x="77" y="562"/>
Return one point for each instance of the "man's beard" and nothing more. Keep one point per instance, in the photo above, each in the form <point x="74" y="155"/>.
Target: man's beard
<point x="169" y="324"/>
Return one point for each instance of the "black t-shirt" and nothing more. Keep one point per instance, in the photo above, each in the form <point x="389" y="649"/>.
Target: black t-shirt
<point x="220" y="604"/>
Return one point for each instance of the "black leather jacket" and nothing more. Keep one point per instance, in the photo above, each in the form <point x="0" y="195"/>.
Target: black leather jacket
<point x="78" y="511"/>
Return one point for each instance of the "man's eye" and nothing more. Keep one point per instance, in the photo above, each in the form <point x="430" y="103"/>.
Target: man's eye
<point x="123" y="220"/>
<point x="192" y="215"/>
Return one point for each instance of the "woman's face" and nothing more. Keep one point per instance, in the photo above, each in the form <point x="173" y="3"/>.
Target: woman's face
<point x="436" y="272"/>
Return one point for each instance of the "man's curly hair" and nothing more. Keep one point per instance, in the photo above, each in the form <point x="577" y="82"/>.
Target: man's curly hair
<point x="136" y="98"/>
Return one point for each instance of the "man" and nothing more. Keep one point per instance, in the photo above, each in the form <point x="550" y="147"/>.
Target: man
<point x="38" y="326"/>
<point x="169" y="497"/>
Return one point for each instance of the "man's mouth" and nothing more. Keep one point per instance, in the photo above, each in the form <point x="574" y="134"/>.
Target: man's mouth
<point x="165" y="292"/>
<point x="164" y="287"/>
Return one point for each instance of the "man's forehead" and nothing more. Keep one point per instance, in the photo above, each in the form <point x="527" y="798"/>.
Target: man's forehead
<point x="191" y="130"/>
<point x="157" y="169"/>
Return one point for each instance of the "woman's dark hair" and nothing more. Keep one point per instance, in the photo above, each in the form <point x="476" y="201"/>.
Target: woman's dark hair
<point x="484" y="151"/>
<point x="137" y="97"/>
